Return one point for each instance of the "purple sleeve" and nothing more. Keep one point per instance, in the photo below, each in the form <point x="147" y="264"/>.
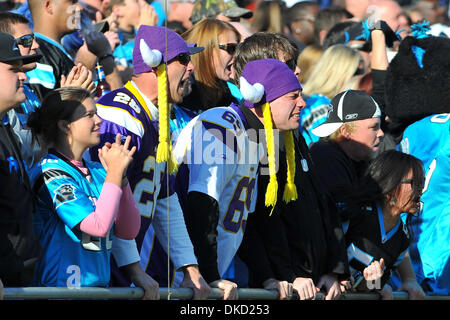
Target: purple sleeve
<point x="108" y="132"/>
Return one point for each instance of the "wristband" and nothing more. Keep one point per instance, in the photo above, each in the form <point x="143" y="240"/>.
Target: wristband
<point x="107" y="62"/>
<point x="389" y="34"/>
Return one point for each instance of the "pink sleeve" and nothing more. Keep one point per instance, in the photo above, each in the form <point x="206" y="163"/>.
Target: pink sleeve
<point x="128" y="221"/>
<point x="99" y="222"/>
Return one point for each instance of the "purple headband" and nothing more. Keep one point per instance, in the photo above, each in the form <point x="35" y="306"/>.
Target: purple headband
<point x="266" y="80"/>
<point x="155" y="39"/>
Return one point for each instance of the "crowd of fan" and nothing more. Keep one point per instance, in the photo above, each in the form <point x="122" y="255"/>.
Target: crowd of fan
<point x="107" y="104"/>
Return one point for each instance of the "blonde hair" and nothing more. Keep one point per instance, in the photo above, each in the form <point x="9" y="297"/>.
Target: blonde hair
<point x="307" y="61"/>
<point x="337" y="135"/>
<point x="333" y="72"/>
<point x="164" y="150"/>
<point x="290" y="190"/>
<point x="272" y="187"/>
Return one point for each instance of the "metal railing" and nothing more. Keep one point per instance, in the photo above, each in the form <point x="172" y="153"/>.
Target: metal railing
<point x="39" y="293"/>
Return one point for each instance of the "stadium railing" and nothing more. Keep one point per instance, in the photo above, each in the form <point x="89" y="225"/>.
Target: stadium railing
<point x="37" y="293"/>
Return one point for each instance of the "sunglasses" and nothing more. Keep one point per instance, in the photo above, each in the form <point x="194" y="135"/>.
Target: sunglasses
<point x="183" y="58"/>
<point x="229" y="47"/>
<point x="26" y="40"/>
<point x="292" y="64"/>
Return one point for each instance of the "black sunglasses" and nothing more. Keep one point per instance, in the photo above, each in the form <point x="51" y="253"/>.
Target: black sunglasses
<point x="292" y="64"/>
<point x="229" y="47"/>
<point x="183" y="58"/>
<point x="26" y="40"/>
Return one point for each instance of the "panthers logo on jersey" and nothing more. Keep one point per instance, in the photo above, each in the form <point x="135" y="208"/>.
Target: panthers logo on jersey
<point x="63" y="194"/>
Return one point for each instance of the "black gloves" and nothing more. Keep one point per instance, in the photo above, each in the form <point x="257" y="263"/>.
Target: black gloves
<point x="99" y="45"/>
<point x="390" y="35"/>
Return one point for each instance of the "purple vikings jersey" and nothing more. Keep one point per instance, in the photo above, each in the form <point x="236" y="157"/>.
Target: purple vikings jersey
<point x="126" y="111"/>
<point x="123" y="113"/>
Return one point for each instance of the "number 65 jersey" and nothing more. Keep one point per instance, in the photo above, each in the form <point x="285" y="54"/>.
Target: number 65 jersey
<point x="222" y="162"/>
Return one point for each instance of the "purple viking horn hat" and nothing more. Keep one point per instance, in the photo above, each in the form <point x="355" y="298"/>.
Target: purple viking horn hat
<point x="266" y="80"/>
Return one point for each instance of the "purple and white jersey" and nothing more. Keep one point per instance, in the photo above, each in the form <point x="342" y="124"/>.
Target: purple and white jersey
<point x="222" y="162"/>
<point x="122" y="112"/>
<point x="127" y="111"/>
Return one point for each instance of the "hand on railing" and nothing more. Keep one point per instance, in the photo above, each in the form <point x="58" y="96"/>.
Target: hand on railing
<point x="194" y="280"/>
<point x="93" y="293"/>
<point x="284" y="288"/>
<point x="229" y="288"/>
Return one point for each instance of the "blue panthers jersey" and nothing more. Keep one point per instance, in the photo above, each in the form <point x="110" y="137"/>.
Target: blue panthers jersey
<point x="429" y="140"/>
<point x="66" y="196"/>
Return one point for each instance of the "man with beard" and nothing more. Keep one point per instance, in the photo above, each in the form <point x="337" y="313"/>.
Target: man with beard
<point x="161" y="73"/>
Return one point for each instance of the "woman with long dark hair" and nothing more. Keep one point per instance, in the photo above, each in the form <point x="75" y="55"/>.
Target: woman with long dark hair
<point x="376" y="236"/>
<point x="81" y="204"/>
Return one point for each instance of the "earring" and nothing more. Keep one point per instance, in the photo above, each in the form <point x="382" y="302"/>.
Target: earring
<point x="393" y="201"/>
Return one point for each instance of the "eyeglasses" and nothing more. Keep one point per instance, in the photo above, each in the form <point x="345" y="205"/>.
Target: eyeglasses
<point x="26" y="40"/>
<point x="183" y="58"/>
<point x="229" y="47"/>
<point x="292" y="64"/>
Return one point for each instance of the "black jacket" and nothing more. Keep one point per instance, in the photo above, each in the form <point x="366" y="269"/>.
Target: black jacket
<point x="300" y="239"/>
<point x="335" y="169"/>
<point x="53" y="57"/>
<point x="19" y="249"/>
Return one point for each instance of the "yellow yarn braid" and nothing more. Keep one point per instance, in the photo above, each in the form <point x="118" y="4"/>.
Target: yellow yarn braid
<point x="290" y="190"/>
<point x="272" y="188"/>
<point x="164" y="150"/>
